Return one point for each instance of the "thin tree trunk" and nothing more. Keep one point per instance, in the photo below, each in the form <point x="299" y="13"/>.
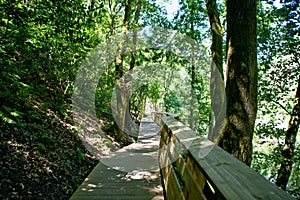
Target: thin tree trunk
<point x="241" y="83"/>
<point x="192" y="102"/>
<point x="217" y="35"/>
<point x="217" y="87"/>
<point x="285" y="170"/>
<point x="142" y="106"/>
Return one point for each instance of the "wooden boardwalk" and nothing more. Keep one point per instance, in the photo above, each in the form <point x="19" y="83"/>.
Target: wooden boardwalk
<point x="129" y="173"/>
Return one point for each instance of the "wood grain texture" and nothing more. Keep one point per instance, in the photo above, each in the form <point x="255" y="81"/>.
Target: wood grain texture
<point x="199" y="162"/>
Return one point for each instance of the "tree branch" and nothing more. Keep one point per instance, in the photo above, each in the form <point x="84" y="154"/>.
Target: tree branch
<point x="280" y="105"/>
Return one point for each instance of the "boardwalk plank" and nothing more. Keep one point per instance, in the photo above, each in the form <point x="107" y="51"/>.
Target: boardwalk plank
<point x="130" y="173"/>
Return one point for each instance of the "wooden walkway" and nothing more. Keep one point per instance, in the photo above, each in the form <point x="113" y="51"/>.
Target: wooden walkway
<point x="129" y="173"/>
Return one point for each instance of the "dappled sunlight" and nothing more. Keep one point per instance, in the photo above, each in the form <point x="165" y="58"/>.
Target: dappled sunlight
<point x="128" y="161"/>
<point x="138" y="156"/>
<point x="94" y="139"/>
<point x="103" y="181"/>
<point x="132" y="171"/>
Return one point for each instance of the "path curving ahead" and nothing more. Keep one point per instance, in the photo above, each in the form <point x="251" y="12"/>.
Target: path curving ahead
<point x="129" y="173"/>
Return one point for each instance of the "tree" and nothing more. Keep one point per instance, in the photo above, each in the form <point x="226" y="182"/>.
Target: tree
<point x="190" y="20"/>
<point x="291" y="17"/>
<point x="122" y="90"/>
<point x="285" y="169"/>
<point x="217" y="88"/>
<point x="241" y="80"/>
<point x="278" y="79"/>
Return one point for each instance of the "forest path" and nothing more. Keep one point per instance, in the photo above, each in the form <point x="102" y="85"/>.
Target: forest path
<point x="129" y="173"/>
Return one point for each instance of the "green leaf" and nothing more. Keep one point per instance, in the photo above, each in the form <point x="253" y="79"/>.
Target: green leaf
<point x="16" y="113"/>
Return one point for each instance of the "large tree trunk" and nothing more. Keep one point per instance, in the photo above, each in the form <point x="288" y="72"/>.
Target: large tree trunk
<point x="241" y="83"/>
<point x="121" y="88"/>
<point x="128" y="121"/>
<point x="290" y="139"/>
<point x="217" y="87"/>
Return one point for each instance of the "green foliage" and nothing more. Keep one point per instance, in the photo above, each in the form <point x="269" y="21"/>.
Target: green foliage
<point x="42" y="44"/>
<point x="192" y="20"/>
<point x="154" y="15"/>
<point x="154" y="93"/>
<point x="278" y="74"/>
<point x="80" y="155"/>
<point x="6" y="118"/>
<point x="171" y="102"/>
<point x="268" y="141"/>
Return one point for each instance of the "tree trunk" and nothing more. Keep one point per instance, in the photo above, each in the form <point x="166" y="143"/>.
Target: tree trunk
<point x="135" y="26"/>
<point x="121" y="90"/>
<point x="290" y="139"/>
<point x="192" y="102"/>
<point x="217" y="87"/>
<point x="193" y="119"/>
<point x="241" y="83"/>
<point x="142" y="106"/>
<point x="128" y="121"/>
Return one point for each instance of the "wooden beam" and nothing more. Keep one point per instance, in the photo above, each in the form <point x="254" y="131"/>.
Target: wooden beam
<point x="208" y="167"/>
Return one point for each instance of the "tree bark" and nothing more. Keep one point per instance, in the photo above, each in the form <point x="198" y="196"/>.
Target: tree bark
<point x="128" y="121"/>
<point x="121" y="90"/>
<point x="134" y="26"/>
<point x="217" y="35"/>
<point x="217" y="87"/>
<point x="241" y="83"/>
<point x="285" y="169"/>
<point x="192" y="102"/>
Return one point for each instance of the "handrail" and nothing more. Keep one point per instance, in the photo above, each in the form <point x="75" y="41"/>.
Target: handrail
<point x="193" y="167"/>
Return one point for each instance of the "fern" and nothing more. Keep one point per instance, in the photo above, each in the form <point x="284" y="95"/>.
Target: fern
<point x="6" y="119"/>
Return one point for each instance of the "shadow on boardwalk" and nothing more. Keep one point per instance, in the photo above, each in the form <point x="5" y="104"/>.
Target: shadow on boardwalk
<point x="129" y="173"/>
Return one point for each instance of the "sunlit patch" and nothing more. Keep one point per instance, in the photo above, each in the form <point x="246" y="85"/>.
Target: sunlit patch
<point x="91" y="186"/>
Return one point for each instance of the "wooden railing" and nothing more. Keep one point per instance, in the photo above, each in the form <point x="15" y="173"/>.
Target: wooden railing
<point x="195" y="168"/>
